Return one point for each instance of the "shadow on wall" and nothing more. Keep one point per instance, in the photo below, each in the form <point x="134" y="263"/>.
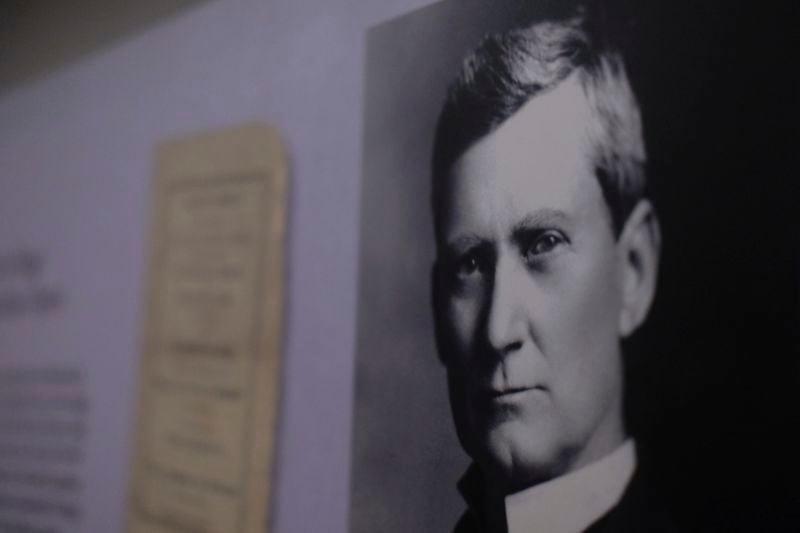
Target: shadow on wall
<point x="37" y="36"/>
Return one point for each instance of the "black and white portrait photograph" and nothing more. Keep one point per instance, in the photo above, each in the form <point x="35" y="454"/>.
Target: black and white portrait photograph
<point x="579" y="299"/>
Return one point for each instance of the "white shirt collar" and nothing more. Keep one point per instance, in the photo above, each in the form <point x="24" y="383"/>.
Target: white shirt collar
<point x="573" y="502"/>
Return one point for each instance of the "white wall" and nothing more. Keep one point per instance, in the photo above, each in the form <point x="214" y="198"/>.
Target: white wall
<point x="75" y="164"/>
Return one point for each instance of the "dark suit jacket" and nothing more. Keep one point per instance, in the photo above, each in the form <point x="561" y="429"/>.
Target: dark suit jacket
<point x="639" y="510"/>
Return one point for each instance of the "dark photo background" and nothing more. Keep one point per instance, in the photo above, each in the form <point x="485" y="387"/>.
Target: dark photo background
<point x="714" y="388"/>
<point x="714" y="376"/>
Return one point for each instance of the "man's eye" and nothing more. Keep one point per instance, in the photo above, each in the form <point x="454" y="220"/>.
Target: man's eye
<point x="542" y="245"/>
<point x="468" y="266"/>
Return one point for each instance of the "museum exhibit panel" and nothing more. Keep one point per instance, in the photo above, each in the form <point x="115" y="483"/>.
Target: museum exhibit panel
<point x="411" y="265"/>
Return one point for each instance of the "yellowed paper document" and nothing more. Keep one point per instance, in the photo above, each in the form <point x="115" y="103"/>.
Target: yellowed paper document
<point x="209" y="374"/>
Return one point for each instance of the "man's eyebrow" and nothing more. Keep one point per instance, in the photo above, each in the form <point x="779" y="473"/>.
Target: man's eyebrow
<point x="462" y="243"/>
<point x="541" y="218"/>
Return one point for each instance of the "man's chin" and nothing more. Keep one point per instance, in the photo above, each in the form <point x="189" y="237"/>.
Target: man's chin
<point x="518" y="463"/>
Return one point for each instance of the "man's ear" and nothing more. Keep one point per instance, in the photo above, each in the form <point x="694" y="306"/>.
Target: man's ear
<point x="640" y="249"/>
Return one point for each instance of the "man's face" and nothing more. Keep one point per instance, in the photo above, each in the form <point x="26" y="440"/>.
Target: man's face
<point x="529" y="296"/>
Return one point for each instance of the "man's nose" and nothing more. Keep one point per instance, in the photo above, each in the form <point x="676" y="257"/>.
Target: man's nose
<point x="505" y="328"/>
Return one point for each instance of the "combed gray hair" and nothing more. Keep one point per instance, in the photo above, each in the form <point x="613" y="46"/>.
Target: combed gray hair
<point x="506" y="70"/>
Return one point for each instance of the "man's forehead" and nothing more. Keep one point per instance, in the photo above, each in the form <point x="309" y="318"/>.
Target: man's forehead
<point x="554" y="122"/>
<point x="534" y="160"/>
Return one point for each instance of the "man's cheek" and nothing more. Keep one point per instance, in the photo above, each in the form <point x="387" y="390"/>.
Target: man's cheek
<point x="462" y="319"/>
<point x="577" y="322"/>
<point x="589" y="296"/>
<point x="589" y="346"/>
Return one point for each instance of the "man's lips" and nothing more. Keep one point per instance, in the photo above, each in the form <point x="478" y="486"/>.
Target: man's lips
<point x="493" y="393"/>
